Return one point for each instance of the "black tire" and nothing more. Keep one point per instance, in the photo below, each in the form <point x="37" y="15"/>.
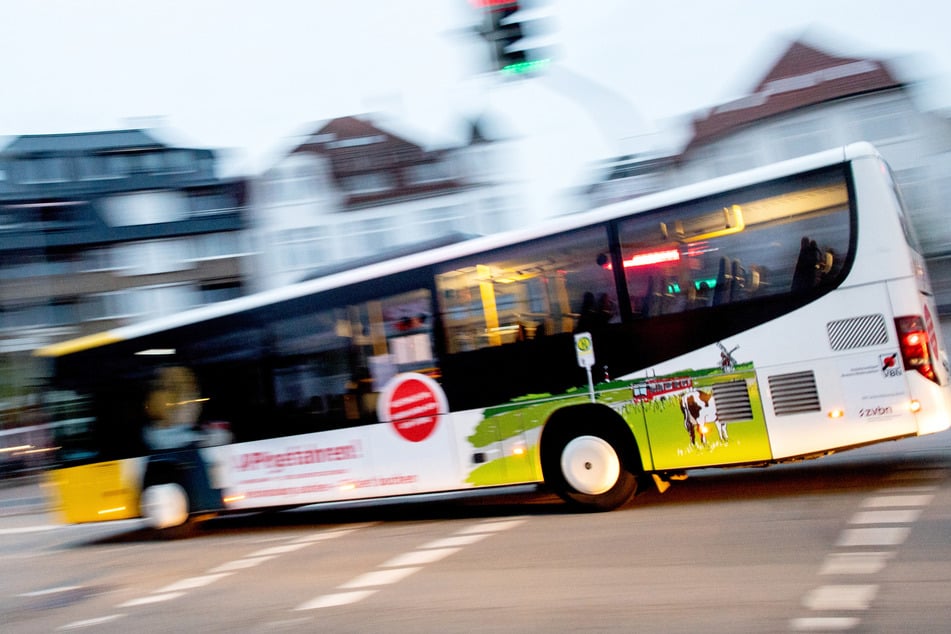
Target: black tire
<point x="588" y="471"/>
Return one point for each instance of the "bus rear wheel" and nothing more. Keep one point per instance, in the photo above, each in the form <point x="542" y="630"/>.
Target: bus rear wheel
<point x="592" y="474"/>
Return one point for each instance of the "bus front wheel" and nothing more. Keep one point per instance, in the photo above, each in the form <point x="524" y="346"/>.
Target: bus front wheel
<point x="592" y="474"/>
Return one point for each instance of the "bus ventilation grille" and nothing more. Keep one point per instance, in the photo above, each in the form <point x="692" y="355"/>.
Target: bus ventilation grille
<point x="733" y="401"/>
<point x="794" y="393"/>
<point x="857" y="332"/>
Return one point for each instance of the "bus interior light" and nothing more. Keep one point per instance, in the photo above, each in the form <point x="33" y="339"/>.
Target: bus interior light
<point x="648" y="258"/>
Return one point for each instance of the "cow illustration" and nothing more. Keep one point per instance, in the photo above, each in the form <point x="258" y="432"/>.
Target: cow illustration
<point x="700" y="410"/>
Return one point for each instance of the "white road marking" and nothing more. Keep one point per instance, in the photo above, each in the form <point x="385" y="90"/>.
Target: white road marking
<point x="824" y="624"/>
<point x="862" y="563"/>
<point x="896" y="516"/>
<point x="380" y="578"/>
<point x="152" y="598"/>
<point x="77" y="625"/>
<point x="192" y="582"/>
<point x="279" y="550"/>
<point x="882" y="501"/>
<point x="419" y="557"/>
<point x="333" y="533"/>
<point x="178" y="588"/>
<point x="891" y="536"/>
<point x="457" y="540"/>
<point x="401" y="566"/>
<point x="492" y="526"/>
<point x="840" y="597"/>
<point x="338" y="598"/>
<point x="19" y="530"/>
<point x="239" y="564"/>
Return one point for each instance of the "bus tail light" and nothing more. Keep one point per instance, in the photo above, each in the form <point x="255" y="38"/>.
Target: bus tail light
<point x="915" y="351"/>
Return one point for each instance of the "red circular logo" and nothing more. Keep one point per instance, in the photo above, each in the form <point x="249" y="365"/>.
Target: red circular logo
<point x="413" y="404"/>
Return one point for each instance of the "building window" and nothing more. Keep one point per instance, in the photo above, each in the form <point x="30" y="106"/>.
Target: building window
<point x="211" y="204"/>
<point x="369" y="183"/>
<point x="218" y="245"/>
<point x="153" y="256"/>
<point x="142" y="302"/>
<point x="428" y="173"/>
<point x="802" y="137"/>
<point x="304" y="248"/>
<point x="147" y="207"/>
<point x="95" y="167"/>
<point x="884" y="122"/>
<point x="211" y="293"/>
<point x="49" y="169"/>
<point x="444" y="221"/>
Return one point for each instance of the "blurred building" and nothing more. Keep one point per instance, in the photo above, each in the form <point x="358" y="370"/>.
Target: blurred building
<point x="352" y="190"/>
<point x="102" y="229"/>
<point x="625" y="177"/>
<point x="811" y="100"/>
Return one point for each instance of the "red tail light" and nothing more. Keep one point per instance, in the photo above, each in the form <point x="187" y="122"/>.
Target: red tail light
<point x="915" y="351"/>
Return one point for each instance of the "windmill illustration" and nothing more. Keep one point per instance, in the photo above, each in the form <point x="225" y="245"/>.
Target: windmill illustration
<point x="727" y="360"/>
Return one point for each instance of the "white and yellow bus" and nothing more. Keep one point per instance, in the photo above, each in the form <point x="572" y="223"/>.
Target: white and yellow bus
<point x="772" y="315"/>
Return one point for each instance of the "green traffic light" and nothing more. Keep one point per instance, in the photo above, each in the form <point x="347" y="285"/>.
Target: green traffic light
<point x="520" y="68"/>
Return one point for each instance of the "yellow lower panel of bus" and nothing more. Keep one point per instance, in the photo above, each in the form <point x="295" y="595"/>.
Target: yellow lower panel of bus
<point x="96" y="492"/>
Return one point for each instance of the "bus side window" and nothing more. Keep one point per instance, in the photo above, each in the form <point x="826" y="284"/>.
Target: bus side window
<point x="526" y="292"/>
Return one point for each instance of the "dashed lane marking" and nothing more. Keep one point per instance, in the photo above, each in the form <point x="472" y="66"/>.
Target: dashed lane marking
<point x="419" y="557"/>
<point x="824" y="623"/>
<point x="402" y="566"/>
<point x="841" y="597"/>
<point x="900" y="516"/>
<point x="862" y="563"/>
<point x="149" y="599"/>
<point x="192" y="582"/>
<point x="885" y="521"/>
<point x="102" y="620"/>
<point x="19" y="530"/>
<point x="380" y="578"/>
<point x="889" y="536"/>
<point x="180" y="588"/>
<point x="337" y="599"/>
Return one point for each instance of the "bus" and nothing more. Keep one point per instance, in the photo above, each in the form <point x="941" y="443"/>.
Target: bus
<point x="773" y="315"/>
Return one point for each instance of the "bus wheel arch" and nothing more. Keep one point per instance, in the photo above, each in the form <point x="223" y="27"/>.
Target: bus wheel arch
<point x="589" y="457"/>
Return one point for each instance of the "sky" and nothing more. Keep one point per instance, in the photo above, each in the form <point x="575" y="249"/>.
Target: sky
<point x="252" y="76"/>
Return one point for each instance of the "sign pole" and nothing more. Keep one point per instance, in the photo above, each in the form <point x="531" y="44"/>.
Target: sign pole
<point x="584" y="349"/>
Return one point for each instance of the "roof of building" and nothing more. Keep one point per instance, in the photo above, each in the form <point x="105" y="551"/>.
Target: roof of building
<point x="355" y="147"/>
<point x="803" y="76"/>
<point x="82" y="142"/>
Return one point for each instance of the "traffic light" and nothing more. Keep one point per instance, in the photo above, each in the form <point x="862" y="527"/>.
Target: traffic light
<point x="508" y="26"/>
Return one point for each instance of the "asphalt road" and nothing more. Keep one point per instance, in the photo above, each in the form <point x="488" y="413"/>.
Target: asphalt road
<point x="853" y="542"/>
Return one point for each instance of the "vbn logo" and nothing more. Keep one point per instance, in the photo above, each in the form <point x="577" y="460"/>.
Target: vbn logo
<point x="889" y="364"/>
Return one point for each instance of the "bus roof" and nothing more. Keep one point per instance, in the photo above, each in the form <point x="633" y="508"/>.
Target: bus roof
<point x="461" y="249"/>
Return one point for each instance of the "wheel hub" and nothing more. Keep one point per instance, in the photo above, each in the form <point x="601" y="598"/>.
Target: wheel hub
<point x="590" y="465"/>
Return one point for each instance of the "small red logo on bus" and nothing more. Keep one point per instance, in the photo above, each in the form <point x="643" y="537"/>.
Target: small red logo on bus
<point x="413" y="404"/>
